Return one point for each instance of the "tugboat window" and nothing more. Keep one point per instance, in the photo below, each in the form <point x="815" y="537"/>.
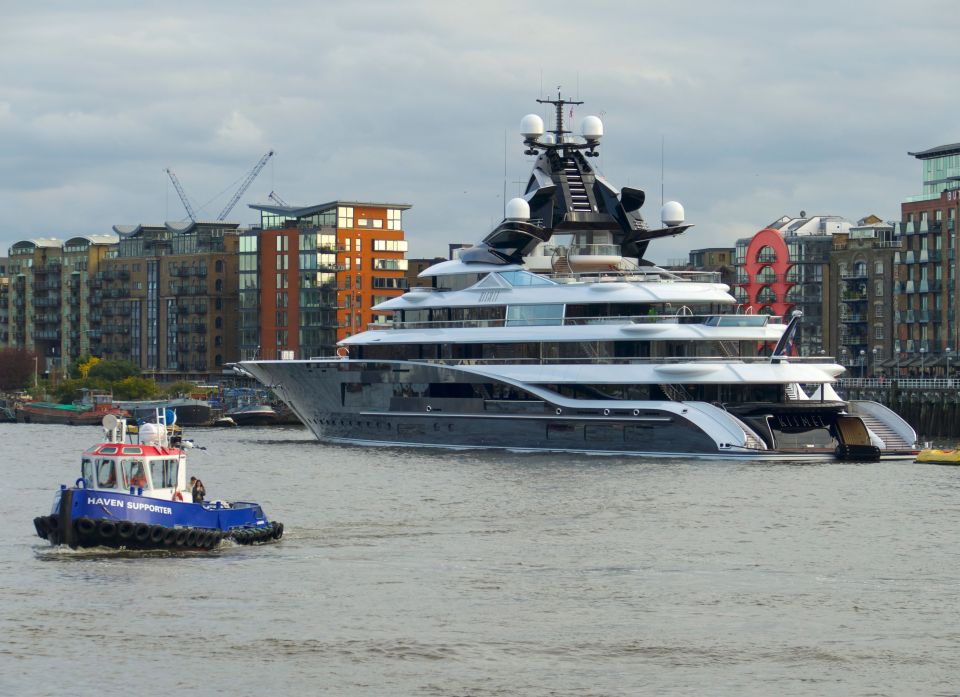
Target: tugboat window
<point x="106" y="474"/>
<point x="86" y="471"/>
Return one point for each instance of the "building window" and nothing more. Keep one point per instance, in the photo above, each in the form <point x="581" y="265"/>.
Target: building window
<point x="393" y="219"/>
<point x="282" y="243"/>
<point x="878" y="288"/>
<point x="345" y="216"/>
<point x="878" y="310"/>
<point x="218" y="266"/>
<point x="878" y="267"/>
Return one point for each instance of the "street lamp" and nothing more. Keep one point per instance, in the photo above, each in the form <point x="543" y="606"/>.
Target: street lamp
<point x="862" y="361"/>
<point x="873" y="369"/>
<point x="922" y="351"/>
<point x="36" y="376"/>
<point x="947" y="351"/>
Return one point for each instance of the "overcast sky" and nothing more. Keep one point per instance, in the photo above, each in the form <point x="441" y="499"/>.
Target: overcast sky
<point x="763" y="108"/>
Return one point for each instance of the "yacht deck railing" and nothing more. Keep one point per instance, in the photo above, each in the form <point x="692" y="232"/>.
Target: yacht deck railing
<point x="678" y="318"/>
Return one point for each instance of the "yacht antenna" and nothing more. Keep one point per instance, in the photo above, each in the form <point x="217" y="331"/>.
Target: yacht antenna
<point x="559" y="103"/>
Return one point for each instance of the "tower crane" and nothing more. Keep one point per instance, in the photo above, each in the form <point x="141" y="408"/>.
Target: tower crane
<point x="246" y="183"/>
<point x="276" y="199"/>
<point x="248" y="180"/>
<point x="181" y="194"/>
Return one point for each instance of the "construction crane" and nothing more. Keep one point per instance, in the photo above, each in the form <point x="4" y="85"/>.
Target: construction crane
<point x="246" y="183"/>
<point x="276" y="199"/>
<point x="182" y="194"/>
<point x="248" y="180"/>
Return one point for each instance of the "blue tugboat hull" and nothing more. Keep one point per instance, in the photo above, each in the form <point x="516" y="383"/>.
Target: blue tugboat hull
<point x="83" y="517"/>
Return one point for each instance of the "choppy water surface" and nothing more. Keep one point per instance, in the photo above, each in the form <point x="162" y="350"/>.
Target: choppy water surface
<point x="427" y="572"/>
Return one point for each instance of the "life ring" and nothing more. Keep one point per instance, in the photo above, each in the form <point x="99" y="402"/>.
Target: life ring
<point x="177" y="496"/>
<point x="343" y="352"/>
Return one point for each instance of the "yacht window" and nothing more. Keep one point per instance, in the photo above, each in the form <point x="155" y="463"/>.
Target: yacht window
<point x="527" y="315"/>
<point x="106" y="474"/>
<point x="524" y="278"/>
<point x="492" y="281"/>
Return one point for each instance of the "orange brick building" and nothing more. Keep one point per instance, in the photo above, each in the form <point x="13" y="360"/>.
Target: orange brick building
<point x="309" y="276"/>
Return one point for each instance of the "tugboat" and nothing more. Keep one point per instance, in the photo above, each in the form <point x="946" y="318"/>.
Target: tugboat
<point x="134" y="494"/>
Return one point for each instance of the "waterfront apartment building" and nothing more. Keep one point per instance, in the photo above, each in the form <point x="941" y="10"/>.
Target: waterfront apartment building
<point x="786" y="267"/>
<point x="168" y="299"/>
<point x="310" y="275"/>
<point x="863" y="278"/>
<point x="4" y="303"/>
<point x="928" y="330"/>
<point x="49" y="297"/>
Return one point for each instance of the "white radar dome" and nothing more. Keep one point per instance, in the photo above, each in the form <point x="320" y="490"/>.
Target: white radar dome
<point x="518" y="209"/>
<point x="549" y="139"/>
<point x="531" y="126"/>
<point x="591" y="128"/>
<point x="671" y="214"/>
<point x="150" y="433"/>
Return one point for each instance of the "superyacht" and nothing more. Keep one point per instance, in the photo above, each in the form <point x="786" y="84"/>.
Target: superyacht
<point x="555" y="334"/>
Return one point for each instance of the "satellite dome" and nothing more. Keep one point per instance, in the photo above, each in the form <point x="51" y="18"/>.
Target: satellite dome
<point x="518" y="209"/>
<point x="671" y="214"/>
<point x="591" y="128"/>
<point x="150" y="433"/>
<point x="548" y="139"/>
<point x="531" y="126"/>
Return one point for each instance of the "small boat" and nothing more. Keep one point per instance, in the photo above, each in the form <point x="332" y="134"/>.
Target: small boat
<point x="86" y="413"/>
<point x="133" y="493"/>
<point x="189" y="411"/>
<point x="254" y="415"/>
<point x="225" y="422"/>
<point x="938" y="456"/>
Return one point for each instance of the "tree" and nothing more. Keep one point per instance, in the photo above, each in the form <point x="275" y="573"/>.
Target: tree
<point x="16" y="368"/>
<point x="182" y="387"/>
<point x="112" y="371"/>
<point x="80" y="367"/>
<point x="133" y="387"/>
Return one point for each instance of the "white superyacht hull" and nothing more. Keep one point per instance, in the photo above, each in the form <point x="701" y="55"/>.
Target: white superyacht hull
<point x="404" y="403"/>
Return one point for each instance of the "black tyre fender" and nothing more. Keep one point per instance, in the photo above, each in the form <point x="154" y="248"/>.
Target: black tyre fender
<point x="40" y="523"/>
<point x="277" y="530"/>
<point x="170" y="536"/>
<point x="156" y="533"/>
<point x="141" y="532"/>
<point x="191" y="539"/>
<point x="125" y="529"/>
<point x="107" y="529"/>
<point x="181" y="537"/>
<point x="85" y="526"/>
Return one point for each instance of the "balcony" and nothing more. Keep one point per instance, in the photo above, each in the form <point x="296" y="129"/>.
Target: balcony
<point x="854" y="319"/>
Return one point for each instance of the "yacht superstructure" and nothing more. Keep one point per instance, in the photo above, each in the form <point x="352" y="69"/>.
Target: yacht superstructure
<point x="554" y="333"/>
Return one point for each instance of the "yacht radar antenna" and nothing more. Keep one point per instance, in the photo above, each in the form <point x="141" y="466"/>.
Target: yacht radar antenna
<point x="592" y="130"/>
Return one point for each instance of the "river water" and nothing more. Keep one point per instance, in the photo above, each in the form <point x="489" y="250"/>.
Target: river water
<point x="429" y="572"/>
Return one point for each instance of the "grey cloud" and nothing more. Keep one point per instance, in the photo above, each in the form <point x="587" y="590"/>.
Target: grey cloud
<point x="764" y="108"/>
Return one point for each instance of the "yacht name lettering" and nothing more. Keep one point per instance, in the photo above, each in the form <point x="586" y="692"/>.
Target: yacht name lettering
<point x="801" y="421"/>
